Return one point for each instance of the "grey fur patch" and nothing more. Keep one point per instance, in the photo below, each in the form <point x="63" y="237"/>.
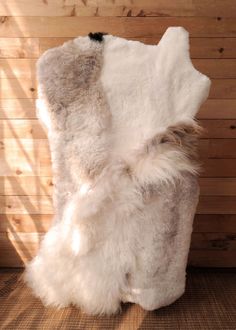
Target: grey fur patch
<point x="69" y="84"/>
<point x="65" y="72"/>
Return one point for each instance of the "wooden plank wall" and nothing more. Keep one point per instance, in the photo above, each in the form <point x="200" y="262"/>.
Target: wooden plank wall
<point x="28" y="28"/>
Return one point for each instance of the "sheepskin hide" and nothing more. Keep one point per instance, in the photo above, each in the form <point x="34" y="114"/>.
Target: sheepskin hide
<point x="120" y="122"/>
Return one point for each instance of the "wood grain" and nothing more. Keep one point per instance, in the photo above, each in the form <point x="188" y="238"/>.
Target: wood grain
<point x="17" y="68"/>
<point x="217" y="223"/>
<point x="209" y="258"/>
<point x="25" y="223"/>
<point x="219" y="129"/>
<point x="224" y="168"/>
<point x="18" y="88"/>
<point x="27" y="185"/>
<point x="19" y="48"/>
<point x="214" y="241"/>
<point x="217" y="205"/>
<point x="28" y="28"/>
<point x="118" y="8"/>
<point x="17" y="109"/>
<point x="22" y="128"/>
<point x="218" y="109"/>
<point x="121" y="26"/>
<point x="217" y="186"/>
<point x="26" y="204"/>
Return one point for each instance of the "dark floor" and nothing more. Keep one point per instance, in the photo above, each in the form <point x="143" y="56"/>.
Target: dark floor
<point x="208" y="303"/>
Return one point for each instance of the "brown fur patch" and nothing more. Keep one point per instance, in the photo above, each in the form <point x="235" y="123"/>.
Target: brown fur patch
<point x="184" y="136"/>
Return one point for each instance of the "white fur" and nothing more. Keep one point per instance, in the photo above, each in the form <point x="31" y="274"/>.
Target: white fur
<point x="117" y="235"/>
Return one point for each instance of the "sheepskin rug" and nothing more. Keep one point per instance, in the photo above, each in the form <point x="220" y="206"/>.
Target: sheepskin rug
<point x="120" y="121"/>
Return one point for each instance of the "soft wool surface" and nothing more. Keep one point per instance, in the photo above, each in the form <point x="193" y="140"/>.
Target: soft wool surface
<point x="120" y="121"/>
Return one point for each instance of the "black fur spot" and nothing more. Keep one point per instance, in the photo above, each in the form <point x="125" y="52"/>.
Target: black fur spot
<point x="97" y="36"/>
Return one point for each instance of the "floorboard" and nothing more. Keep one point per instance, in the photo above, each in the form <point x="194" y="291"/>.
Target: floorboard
<point x="208" y="303"/>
